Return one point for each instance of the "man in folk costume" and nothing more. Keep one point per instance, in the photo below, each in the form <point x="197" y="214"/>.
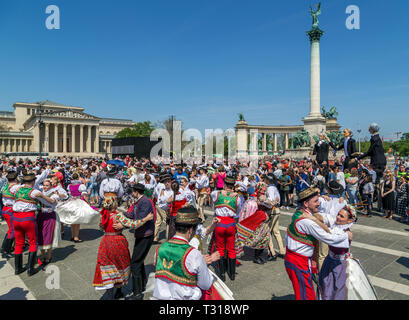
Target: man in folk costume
<point x="273" y="195"/>
<point x="24" y="222"/>
<point x="111" y="186"/>
<point x="302" y="240"/>
<point x="165" y="199"/>
<point x="202" y="183"/>
<point x="143" y="239"/>
<point x="181" y="270"/>
<point x="8" y="198"/>
<point x="227" y="206"/>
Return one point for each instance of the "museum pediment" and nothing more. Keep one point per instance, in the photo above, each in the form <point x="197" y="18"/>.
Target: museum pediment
<point x="70" y="114"/>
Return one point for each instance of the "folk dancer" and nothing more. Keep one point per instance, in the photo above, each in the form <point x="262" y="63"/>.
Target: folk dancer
<point x="302" y="239"/>
<point x="48" y="222"/>
<point x="227" y="206"/>
<point x="181" y="270"/>
<point x="25" y="223"/>
<point x="202" y="183"/>
<point x="114" y="261"/>
<point x="8" y="197"/>
<point x="141" y="209"/>
<point x="273" y="196"/>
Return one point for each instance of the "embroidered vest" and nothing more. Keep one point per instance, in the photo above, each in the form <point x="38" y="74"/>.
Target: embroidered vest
<point x="227" y="202"/>
<point x="5" y="191"/>
<point x="23" y="194"/>
<point x="74" y="190"/>
<point x="170" y="262"/>
<point x="298" y="236"/>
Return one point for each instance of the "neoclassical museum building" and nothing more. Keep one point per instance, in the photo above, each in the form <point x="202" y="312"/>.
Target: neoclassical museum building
<point x="57" y="130"/>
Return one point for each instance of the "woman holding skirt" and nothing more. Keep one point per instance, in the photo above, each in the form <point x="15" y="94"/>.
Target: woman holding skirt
<point x="76" y="210"/>
<point x="48" y="223"/>
<point x="114" y="261"/>
<point x="342" y="276"/>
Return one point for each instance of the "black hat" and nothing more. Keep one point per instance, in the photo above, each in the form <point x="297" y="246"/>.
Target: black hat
<point x="29" y="177"/>
<point x="12" y="175"/>
<point x="165" y="177"/>
<point x="113" y="171"/>
<point x="335" y="188"/>
<point x="139" y="187"/>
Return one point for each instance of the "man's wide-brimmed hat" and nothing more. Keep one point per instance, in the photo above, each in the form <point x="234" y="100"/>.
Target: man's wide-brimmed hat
<point x="335" y="188"/>
<point x="139" y="187"/>
<point x="188" y="216"/>
<point x="307" y="194"/>
<point x="229" y="180"/>
<point x="165" y="177"/>
<point x="29" y="177"/>
<point x="113" y="171"/>
<point x="11" y="175"/>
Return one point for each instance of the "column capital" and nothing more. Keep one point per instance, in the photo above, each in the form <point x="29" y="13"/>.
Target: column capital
<point x="315" y="34"/>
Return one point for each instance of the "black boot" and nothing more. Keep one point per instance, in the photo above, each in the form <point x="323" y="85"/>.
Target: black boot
<point x="231" y="268"/>
<point x="136" y="288"/>
<point x="18" y="263"/>
<point x="4" y="246"/>
<point x="118" y="294"/>
<point x="221" y="270"/>
<point x="32" y="258"/>
<point x="257" y="256"/>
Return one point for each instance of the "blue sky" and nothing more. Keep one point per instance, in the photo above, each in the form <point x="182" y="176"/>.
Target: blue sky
<point x="205" y="61"/>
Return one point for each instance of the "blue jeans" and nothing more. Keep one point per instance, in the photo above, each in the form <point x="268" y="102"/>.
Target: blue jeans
<point x="353" y="196"/>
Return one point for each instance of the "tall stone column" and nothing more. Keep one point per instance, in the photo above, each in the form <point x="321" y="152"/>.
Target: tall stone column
<point x="72" y="138"/>
<point x="286" y="141"/>
<point x="55" y="137"/>
<point x="314" y="123"/>
<point x="81" y="138"/>
<point x="89" y="139"/>
<point x="264" y="143"/>
<point x="64" y="141"/>
<point x="275" y="143"/>
<point x="47" y="137"/>
<point x="96" y="148"/>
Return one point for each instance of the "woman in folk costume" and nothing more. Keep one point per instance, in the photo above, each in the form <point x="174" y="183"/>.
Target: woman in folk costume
<point x="302" y="240"/>
<point x="114" y="261"/>
<point x="76" y="210"/>
<point x="254" y="230"/>
<point x="48" y="222"/>
<point x="342" y="277"/>
<point x="25" y="222"/>
<point x="179" y="201"/>
<point x="8" y="198"/>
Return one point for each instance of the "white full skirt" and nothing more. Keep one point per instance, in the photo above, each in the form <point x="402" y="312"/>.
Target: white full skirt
<point x="76" y="211"/>
<point x="359" y="286"/>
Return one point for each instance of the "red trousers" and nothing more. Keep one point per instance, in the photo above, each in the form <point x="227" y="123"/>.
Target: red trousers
<point x="225" y="233"/>
<point x="25" y="224"/>
<point x="7" y="213"/>
<point x="299" y="272"/>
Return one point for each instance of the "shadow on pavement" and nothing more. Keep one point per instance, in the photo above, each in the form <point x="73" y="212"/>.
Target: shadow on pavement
<point x="62" y="253"/>
<point x="15" y="294"/>
<point x="85" y="234"/>
<point x="403" y="261"/>
<point x="2" y="264"/>
<point x="405" y="276"/>
<point x="287" y="297"/>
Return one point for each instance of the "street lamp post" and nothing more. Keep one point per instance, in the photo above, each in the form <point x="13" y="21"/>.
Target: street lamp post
<point x="359" y="139"/>
<point x="40" y="124"/>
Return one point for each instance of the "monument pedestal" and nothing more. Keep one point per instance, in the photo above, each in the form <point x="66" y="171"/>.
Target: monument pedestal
<point x="314" y="125"/>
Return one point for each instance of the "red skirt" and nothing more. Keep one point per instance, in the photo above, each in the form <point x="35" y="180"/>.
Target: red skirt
<point x="113" y="264"/>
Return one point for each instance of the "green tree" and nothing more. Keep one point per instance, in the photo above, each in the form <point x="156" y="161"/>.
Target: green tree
<point x="401" y="147"/>
<point x="141" y="129"/>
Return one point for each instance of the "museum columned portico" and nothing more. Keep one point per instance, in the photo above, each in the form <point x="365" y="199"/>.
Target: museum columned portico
<point x="57" y="130"/>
